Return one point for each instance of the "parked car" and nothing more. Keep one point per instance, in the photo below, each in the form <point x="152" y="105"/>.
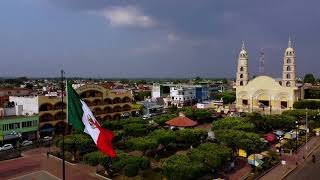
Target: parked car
<point x="146" y="116"/>
<point x="26" y="143"/>
<point x="47" y="138"/>
<point x="6" y="147"/>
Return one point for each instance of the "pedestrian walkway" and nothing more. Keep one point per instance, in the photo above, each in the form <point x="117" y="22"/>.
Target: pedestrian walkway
<point x="36" y="160"/>
<point x="292" y="161"/>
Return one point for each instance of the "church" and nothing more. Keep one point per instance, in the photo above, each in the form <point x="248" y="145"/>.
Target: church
<point x="265" y="94"/>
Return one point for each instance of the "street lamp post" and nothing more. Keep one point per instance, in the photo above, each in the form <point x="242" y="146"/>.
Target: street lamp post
<point x="296" y="136"/>
<point x="307" y="129"/>
<point x="280" y="138"/>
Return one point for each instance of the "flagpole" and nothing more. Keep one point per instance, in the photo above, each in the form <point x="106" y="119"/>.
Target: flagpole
<point x="63" y="131"/>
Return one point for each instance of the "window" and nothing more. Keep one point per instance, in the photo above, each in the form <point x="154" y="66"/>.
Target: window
<point x="284" y="104"/>
<point x="241" y="68"/>
<point x="27" y="124"/>
<point x="288" y="76"/>
<point x="241" y="75"/>
<point x="288" y="60"/>
<point x="288" y="68"/>
<point x="241" y="83"/>
<point x="245" y="102"/>
<point x="288" y="84"/>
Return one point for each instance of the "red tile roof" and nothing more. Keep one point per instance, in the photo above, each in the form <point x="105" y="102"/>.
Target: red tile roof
<point x="181" y="121"/>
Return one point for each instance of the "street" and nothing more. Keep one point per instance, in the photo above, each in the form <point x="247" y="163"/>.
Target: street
<point x="307" y="170"/>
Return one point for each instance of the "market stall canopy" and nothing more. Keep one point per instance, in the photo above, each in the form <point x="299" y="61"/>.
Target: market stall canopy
<point x="279" y="133"/>
<point x="255" y="159"/>
<point x="270" y="137"/>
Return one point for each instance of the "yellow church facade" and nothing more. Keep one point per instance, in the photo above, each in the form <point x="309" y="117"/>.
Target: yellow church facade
<point x="264" y="94"/>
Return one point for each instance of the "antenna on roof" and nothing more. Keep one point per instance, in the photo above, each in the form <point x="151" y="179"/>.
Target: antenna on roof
<point x="261" y="61"/>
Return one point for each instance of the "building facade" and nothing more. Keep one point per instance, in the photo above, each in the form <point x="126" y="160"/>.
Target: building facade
<point x="29" y="104"/>
<point x="106" y="104"/>
<point x="16" y="127"/>
<point x="263" y="93"/>
<point x="51" y="118"/>
<point x="180" y="94"/>
<point x="6" y="92"/>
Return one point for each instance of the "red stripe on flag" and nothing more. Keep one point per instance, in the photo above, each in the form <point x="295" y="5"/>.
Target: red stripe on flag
<point x="104" y="142"/>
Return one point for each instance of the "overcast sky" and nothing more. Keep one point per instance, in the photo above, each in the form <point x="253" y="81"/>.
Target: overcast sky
<point x="154" y="38"/>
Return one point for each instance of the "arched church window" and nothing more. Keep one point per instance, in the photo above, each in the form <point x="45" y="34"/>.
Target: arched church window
<point x="288" y="76"/>
<point x="288" y="60"/>
<point x="241" y="83"/>
<point x="280" y="82"/>
<point x="241" y="68"/>
<point x="288" y="68"/>
<point x="241" y="75"/>
<point x="288" y="84"/>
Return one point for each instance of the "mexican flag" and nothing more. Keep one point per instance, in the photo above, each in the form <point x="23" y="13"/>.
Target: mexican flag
<point x="81" y="117"/>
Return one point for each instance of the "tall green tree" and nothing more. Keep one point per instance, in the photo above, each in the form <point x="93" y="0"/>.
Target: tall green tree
<point x="309" y="78"/>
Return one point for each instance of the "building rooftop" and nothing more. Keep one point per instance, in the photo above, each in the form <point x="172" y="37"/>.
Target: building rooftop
<point x="181" y="121"/>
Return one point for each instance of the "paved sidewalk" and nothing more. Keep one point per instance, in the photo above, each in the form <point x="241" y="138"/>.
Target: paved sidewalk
<point x="36" y="160"/>
<point x="281" y="171"/>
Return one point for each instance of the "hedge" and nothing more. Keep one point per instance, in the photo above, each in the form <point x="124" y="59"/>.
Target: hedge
<point x="94" y="158"/>
<point x="310" y="104"/>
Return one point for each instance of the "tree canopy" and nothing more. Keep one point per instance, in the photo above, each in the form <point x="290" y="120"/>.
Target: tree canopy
<point x="309" y="78"/>
<point x="196" y="162"/>
<point x="233" y="123"/>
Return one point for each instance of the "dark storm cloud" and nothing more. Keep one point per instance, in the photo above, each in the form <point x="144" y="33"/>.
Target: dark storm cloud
<point x="204" y="34"/>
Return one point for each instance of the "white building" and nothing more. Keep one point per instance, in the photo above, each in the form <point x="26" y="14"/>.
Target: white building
<point x="11" y="111"/>
<point x="180" y="94"/>
<point x="29" y="104"/>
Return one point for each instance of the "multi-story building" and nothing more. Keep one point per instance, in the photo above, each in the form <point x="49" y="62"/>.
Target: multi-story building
<point x="29" y="104"/>
<point x="6" y="92"/>
<point x="16" y="127"/>
<point x="51" y="118"/>
<point x="180" y="94"/>
<point x="106" y="104"/>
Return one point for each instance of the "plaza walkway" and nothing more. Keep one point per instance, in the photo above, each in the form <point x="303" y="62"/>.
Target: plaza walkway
<point x="36" y="160"/>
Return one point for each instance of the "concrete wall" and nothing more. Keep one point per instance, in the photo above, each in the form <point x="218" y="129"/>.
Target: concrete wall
<point x="30" y="104"/>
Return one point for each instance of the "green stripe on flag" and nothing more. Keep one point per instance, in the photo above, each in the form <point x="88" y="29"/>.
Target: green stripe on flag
<point x="75" y="111"/>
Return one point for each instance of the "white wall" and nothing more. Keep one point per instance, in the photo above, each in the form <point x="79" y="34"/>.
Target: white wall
<point x="155" y="91"/>
<point x="29" y="104"/>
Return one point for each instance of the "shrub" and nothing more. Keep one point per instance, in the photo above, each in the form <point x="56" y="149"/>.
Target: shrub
<point x="180" y="167"/>
<point x="233" y="123"/>
<point x="191" y="136"/>
<point x="124" y="159"/>
<point x="131" y="170"/>
<point x="94" y="158"/>
<point x="303" y="104"/>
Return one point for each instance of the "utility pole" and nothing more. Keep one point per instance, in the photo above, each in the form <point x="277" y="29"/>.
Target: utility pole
<point x="261" y="61"/>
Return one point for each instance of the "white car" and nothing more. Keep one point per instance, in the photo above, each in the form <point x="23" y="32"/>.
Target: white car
<point x="6" y="147"/>
<point x="147" y="116"/>
<point x="47" y="138"/>
<point x="26" y="143"/>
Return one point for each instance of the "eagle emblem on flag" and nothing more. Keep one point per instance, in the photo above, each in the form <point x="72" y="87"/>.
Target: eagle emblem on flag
<point x="92" y="122"/>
